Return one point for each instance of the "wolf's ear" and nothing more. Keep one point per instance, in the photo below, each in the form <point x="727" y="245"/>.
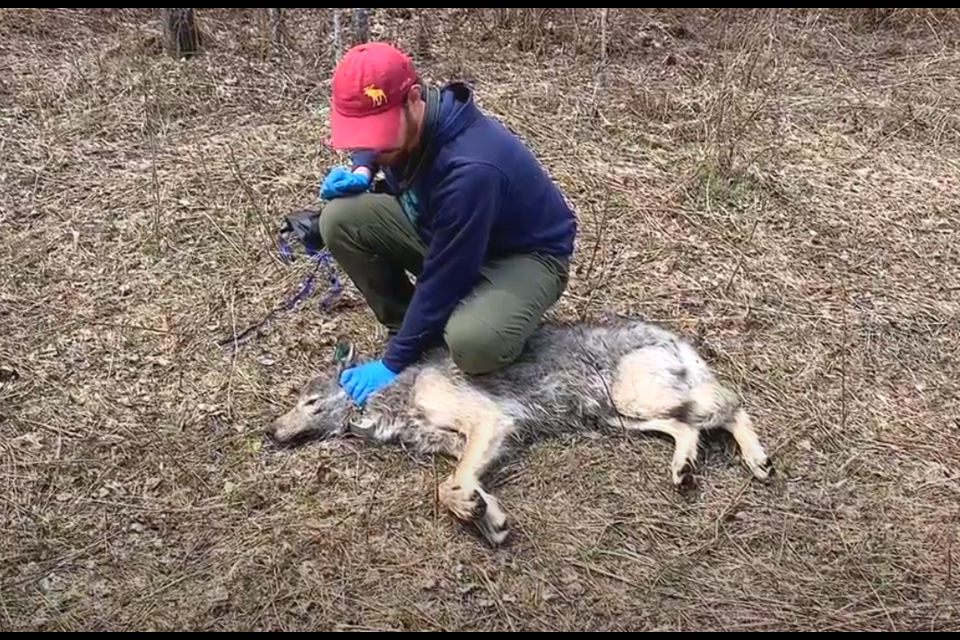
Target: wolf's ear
<point x="343" y="354"/>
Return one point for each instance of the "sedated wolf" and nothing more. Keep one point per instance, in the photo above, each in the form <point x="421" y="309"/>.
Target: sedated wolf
<point x="623" y="373"/>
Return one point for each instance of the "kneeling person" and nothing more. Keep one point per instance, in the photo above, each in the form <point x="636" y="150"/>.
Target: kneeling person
<point x="471" y="213"/>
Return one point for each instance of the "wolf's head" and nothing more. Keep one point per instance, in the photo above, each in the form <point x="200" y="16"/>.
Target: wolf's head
<point x="323" y="407"/>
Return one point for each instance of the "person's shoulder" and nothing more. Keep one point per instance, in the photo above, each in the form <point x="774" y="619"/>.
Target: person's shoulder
<point x="461" y="171"/>
<point x="465" y="124"/>
<point x="485" y="146"/>
<point x="476" y="145"/>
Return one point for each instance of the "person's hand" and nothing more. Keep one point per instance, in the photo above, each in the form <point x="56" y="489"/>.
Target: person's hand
<point x="340" y="181"/>
<point x="365" y="379"/>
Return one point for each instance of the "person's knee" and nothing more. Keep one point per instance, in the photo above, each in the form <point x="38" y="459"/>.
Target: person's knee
<point x="339" y="217"/>
<point x="476" y="347"/>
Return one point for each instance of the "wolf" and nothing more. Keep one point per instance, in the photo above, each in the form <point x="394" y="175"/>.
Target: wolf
<point x="621" y="373"/>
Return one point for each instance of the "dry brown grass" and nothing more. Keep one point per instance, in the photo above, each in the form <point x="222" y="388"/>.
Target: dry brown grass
<point x="783" y="185"/>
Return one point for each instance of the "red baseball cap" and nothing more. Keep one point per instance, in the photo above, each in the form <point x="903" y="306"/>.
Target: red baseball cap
<point x="369" y="87"/>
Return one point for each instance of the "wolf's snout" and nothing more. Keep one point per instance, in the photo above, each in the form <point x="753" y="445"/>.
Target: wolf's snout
<point x="273" y="427"/>
<point x="285" y="429"/>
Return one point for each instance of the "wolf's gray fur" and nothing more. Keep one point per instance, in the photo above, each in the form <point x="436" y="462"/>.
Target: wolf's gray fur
<point x="622" y="373"/>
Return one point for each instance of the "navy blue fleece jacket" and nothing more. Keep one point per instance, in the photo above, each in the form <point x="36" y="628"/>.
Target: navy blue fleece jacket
<point x="484" y="194"/>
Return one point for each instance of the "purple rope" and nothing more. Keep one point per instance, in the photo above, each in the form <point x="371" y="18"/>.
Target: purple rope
<point x="321" y="258"/>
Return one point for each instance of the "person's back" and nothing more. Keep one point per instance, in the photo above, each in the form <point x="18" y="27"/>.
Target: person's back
<point x="470" y="212"/>
<point x="532" y="214"/>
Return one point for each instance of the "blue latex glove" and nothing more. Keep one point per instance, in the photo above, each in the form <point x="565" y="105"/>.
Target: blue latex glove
<point x="365" y="379"/>
<point x="340" y="181"/>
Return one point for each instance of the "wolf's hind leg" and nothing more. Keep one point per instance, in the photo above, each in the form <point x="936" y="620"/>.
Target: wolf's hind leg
<point x="686" y="441"/>
<point x="645" y="392"/>
<point x="751" y="451"/>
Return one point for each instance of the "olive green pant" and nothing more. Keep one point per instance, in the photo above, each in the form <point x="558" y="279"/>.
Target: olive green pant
<point x="374" y="242"/>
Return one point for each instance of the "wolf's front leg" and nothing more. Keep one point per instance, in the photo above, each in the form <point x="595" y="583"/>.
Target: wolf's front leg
<point x="462" y="494"/>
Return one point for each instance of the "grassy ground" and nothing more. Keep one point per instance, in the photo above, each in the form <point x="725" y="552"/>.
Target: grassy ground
<point x="781" y="185"/>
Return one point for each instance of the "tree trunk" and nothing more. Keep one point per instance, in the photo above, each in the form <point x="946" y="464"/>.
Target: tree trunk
<point x="181" y="38"/>
<point x="424" y="50"/>
<point x="361" y="25"/>
<point x="336" y="36"/>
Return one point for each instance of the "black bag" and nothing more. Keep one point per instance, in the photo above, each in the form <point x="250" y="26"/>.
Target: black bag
<point x="304" y="227"/>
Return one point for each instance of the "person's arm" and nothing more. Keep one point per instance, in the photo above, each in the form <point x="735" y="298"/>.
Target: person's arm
<point x="466" y="203"/>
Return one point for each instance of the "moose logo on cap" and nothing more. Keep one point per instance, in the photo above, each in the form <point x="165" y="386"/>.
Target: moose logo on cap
<point x="376" y="94"/>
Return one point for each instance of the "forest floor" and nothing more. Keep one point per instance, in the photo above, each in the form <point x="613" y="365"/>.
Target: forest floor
<point x="783" y="186"/>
